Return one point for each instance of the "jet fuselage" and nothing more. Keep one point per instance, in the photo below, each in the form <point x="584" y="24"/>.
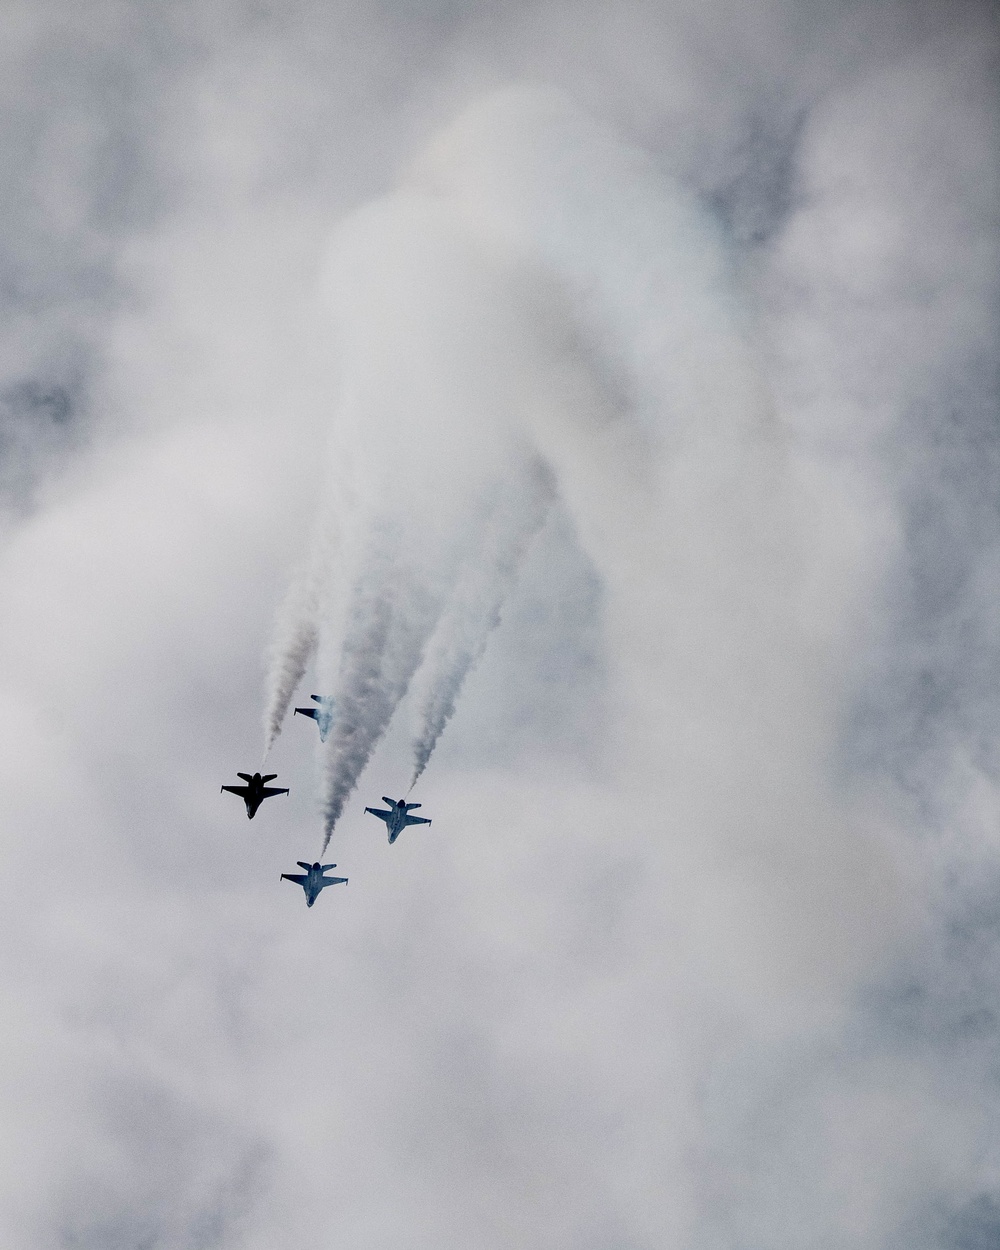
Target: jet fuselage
<point x="322" y="714"/>
<point x="397" y="817"/>
<point x="255" y="791"/>
<point x="312" y="880"/>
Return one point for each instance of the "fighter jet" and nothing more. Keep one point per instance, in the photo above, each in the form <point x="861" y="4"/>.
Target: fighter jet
<point x="312" y="881"/>
<point x="255" y="791"/>
<point x="397" y="817"/>
<point x="322" y="715"/>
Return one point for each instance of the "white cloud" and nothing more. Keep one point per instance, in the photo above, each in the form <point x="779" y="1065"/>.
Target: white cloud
<point x="631" y="987"/>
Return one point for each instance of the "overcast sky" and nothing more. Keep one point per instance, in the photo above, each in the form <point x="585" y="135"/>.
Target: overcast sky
<point x="665" y="331"/>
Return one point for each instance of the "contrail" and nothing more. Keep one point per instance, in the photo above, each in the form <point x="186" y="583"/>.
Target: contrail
<point x="314" y="605"/>
<point x="474" y="609"/>
<point x="293" y="648"/>
<point x="393" y="613"/>
<point x="432" y="379"/>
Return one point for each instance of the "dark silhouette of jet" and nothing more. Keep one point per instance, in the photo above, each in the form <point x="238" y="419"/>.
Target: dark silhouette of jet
<point x="255" y="791"/>
<point x="313" y="881"/>
<point x="397" y="817"/>
<point x="322" y="715"/>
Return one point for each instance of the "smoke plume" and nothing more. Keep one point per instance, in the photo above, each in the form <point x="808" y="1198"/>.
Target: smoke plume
<point x="474" y="609"/>
<point x="544" y="276"/>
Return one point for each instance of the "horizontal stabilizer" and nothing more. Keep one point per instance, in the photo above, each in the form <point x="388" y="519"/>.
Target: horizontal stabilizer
<point x="245" y="776"/>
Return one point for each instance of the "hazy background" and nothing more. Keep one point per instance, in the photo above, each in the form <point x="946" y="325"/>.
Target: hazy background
<point x="701" y="949"/>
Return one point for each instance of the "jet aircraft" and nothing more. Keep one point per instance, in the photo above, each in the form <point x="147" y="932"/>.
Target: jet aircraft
<point x="255" y="791"/>
<point x="322" y="715"/>
<point x="312" y="880"/>
<point x="397" y="817"/>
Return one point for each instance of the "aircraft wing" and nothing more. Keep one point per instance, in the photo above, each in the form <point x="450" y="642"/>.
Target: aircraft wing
<point x="242" y="791"/>
<point x="297" y="877"/>
<point x="417" y="820"/>
<point x="377" y="811"/>
<point x="268" y="791"/>
<point x="334" y="880"/>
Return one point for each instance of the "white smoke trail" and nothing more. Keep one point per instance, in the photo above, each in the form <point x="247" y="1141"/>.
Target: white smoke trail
<point x="294" y="644"/>
<point x="391" y="617"/>
<point x="563" y="291"/>
<point x="311" y="601"/>
<point x="474" y="609"/>
<point x="432" y="376"/>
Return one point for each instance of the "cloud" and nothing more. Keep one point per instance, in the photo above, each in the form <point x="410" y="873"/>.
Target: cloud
<point x="642" y="981"/>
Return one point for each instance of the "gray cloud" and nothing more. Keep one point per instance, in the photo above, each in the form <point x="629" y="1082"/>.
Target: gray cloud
<point x="640" y="984"/>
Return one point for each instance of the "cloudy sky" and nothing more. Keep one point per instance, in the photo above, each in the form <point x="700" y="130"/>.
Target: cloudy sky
<point x="601" y="402"/>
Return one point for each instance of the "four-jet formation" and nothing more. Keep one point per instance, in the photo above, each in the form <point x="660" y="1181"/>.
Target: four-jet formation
<point x="312" y="880"/>
<point x="322" y="715"/>
<point x="255" y="791"/>
<point x="398" y="816"/>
